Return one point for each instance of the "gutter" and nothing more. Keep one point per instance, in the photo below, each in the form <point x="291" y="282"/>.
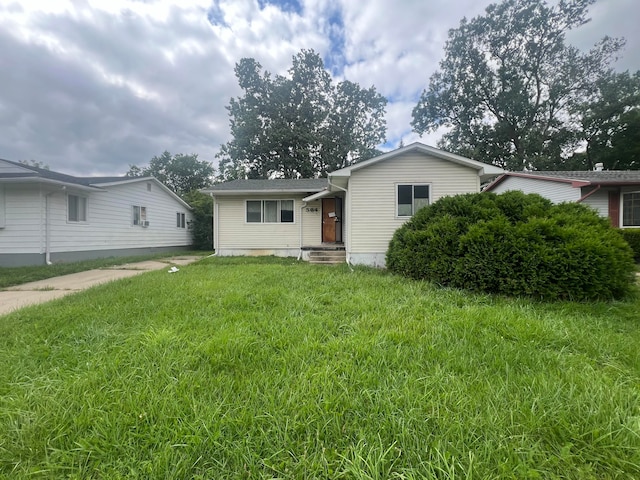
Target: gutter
<point x="47" y="229"/>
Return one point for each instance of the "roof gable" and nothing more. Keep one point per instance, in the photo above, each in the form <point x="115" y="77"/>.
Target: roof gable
<point x="18" y="172"/>
<point x="484" y="169"/>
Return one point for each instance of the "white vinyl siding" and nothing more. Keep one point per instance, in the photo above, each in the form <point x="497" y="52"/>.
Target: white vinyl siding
<point x="111" y="215"/>
<point x="371" y="200"/>
<point x="599" y="200"/>
<point x="111" y="220"/>
<point x="109" y="212"/>
<point x="234" y="232"/>
<point x="557" y="192"/>
<point x="312" y="223"/>
<point x="23" y="230"/>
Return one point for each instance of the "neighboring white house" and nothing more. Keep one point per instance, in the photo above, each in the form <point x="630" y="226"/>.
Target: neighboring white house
<point x="615" y="194"/>
<point x="49" y="217"/>
<point x="357" y="208"/>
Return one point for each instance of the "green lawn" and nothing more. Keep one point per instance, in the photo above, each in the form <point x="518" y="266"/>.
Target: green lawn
<point x="10" y="276"/>
<point x="244" y="368"/>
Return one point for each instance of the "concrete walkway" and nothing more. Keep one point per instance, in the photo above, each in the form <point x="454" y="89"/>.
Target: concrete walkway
<point x="42" y="291"/>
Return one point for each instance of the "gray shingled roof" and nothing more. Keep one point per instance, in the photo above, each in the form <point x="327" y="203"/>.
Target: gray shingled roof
<point x="604" y="176"/>
<point x="302" y="185"/>
<point x="36" y="172"/>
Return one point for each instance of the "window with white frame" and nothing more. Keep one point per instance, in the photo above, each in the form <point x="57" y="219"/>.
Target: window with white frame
<point x="140" y="216"/>
<point x="181" y="220"/>
<point x="269" y="211"/>
<point x="410" y="198"/>
<point x="76" y="208"/>
<point x="631" y="209"/>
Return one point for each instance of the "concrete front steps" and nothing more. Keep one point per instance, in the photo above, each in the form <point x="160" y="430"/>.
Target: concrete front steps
<point x="327" y="257"/>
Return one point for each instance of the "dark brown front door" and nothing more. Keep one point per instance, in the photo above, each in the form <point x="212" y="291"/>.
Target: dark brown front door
<point x="614" y="207"/>
<point x="329" y="220"/>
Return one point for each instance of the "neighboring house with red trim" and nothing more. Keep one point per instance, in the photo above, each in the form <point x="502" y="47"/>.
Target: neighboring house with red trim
<point x="355" y="209"/>
<point x="50" y="217"/>
<point x="614" y="194"/>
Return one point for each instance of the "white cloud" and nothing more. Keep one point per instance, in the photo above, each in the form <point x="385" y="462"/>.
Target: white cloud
<point x="91" y="86"/>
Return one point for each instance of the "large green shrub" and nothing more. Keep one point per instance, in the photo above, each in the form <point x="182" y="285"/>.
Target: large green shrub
<point x="202" y="225"/>
<point x="514" y="244"/>
<point x="632" y="236"/>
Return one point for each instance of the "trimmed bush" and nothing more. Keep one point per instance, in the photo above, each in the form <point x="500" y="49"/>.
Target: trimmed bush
<point x="632" y="236"/>
<point x="514" y="244"/>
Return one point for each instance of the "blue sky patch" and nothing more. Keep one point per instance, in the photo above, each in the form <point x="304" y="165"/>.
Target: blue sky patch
<point x="291" y="6"/>
<point x="334" y="60"/>
<point x="215" y="15"/>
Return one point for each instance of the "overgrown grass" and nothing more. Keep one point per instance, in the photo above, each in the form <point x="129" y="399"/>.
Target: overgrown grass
<point x="10" y="276"/>
<point x="243" y="368"/>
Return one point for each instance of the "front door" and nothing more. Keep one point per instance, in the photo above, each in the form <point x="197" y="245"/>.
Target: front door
<point x="331" y="221"/>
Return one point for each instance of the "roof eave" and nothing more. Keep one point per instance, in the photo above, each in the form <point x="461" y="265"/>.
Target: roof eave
<point x="125" y="181"/>
<point x="575" y="183"/>
<point x="616" y="183"/>
<point x="278" y="191"/>
<point x="49" y="181"/>
<point x="317" y="196"/>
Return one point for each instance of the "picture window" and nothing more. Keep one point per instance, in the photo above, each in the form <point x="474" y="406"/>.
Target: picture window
<point x="411" y="198"/>
<point x="269" y="211"/>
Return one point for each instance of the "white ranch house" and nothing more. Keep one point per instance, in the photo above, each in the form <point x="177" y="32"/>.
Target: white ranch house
<point x="354" y="210"/>
<point x="49" y="217"/>
<point x="614" y="194"/>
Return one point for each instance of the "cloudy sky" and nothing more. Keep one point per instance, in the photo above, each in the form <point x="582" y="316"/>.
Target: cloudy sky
<point x="92" y="86"/>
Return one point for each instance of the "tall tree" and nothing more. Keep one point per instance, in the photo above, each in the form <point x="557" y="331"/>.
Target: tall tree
<point x="181" y="173"/>
<point x="35" y="163"/>
<point x="610" y="124"/>
<point x="508" y="84"/>
<point x="300" y="126"/>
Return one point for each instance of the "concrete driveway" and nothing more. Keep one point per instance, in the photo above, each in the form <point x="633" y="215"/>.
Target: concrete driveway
<point x="42" y="291"/>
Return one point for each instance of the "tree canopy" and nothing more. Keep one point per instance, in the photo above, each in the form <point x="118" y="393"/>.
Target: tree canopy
<point x="181" y="173"/>
<point x="300" y="126"/>
<point x="35" y="163"/>
<point x="510" y="88"/>
<point x="610" y="124"/>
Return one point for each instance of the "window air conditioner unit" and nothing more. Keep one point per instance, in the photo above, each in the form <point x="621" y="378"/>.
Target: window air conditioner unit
<point x="145" y="223"/>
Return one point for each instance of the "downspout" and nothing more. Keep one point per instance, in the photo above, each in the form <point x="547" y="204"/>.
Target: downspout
<point x="215" y="226"/>
<point x="304" y="204"/>
<point x="47" y="230"/>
